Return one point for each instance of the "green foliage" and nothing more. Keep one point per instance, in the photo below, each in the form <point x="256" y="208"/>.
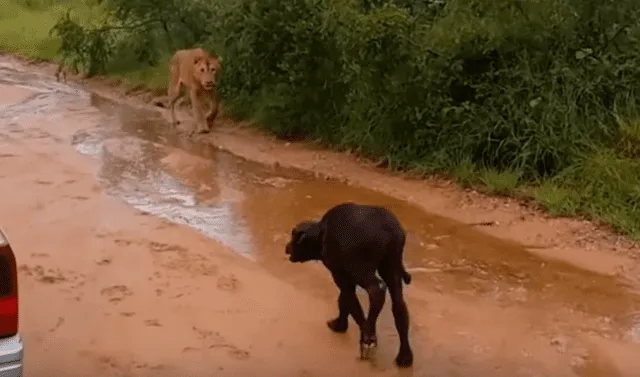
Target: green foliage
<point x="500" y="182"/>
<point x="90" y="48"/>
<point x="138" y="33"/>
<point x="498" y="93"/>
<point x="26" y="30"/>
<point x="604" y="186"/>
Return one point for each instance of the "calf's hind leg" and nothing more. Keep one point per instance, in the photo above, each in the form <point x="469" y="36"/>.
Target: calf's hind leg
<point x="393" y="278"/>
<point x="347" y="304"/>
<point x="376" y="289"/>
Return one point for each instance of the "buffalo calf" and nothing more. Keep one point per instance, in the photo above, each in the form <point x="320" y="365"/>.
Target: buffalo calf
<point x="354" y="242"/>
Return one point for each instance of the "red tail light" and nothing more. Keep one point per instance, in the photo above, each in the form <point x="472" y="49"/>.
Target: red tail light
<point x="8" y="289"/>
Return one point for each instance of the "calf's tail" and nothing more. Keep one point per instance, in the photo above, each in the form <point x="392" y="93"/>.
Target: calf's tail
<point x="405" y="276"/>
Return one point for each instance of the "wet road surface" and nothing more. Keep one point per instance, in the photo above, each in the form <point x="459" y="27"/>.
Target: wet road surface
<point x="143" y="253"/>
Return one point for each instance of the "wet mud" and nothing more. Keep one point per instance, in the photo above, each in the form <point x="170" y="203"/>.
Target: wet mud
<point x="479" y="305"/>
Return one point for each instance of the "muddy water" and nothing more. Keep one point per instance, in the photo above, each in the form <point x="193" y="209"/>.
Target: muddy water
<point x="251" y="208"/>
<point x="521" y="301"/>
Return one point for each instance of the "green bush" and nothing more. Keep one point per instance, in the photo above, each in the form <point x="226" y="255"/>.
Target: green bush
<point x="505" y="93"/>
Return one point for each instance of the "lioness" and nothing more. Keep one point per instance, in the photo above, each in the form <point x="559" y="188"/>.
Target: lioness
<point x="63" y="71"/>
<point x="197" y="70"/>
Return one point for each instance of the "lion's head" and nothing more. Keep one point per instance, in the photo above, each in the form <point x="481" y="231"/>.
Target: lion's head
<point x="206" y="69"/>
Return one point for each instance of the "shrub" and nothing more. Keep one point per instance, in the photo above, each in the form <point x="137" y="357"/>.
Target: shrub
<point x="536" y="87"/>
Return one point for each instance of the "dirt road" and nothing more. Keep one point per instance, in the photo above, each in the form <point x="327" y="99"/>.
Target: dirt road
<point x="144" y="254"/>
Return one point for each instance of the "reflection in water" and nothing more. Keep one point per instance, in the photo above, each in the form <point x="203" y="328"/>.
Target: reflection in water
<point x="132" y="170"/>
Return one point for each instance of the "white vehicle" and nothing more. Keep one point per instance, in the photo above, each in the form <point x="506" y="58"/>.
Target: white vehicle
<point x="10" y="342"/>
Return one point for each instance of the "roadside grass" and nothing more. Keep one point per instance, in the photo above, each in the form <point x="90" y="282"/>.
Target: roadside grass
<point x="604" y="186"/>
<point x="25" y="25"/>
<point x="135" y="75"/>
<point x="26" y="31"/>
<point x="499" y="182"/>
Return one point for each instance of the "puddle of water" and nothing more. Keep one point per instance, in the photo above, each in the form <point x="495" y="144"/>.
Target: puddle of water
<point x="251" y="208"/>
<point x="39" y="95"/>
<point x="10" y="95"/>
<point x="255" y="206"/>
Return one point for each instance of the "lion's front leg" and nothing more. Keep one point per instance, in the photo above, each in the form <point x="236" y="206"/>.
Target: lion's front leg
<point x="174" y="91"/>
<point x="198" y="113"/>
<point x="213" y="113"/>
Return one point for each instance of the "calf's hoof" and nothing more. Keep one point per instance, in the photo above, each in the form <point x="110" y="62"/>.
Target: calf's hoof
<point x="404" y="359"/>
<point x="367" y="350"/>
<point x="338" y="325"/>
<point x="368" y="344"/>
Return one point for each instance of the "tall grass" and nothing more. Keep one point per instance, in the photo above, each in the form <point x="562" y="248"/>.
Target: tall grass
<point x="533" y="98"/>
<point x="25" y="25"/>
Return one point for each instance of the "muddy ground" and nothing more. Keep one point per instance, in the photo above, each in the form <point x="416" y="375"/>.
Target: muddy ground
<point x="143" y="253"/>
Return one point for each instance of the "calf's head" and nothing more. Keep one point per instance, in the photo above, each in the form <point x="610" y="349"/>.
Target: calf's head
<point x="305" y="243"/>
